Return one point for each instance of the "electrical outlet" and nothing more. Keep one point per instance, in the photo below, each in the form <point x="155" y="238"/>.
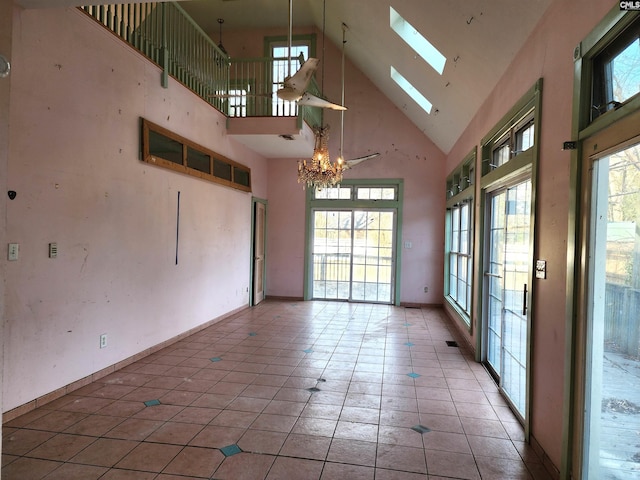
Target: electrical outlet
<point x="103" y="340"/>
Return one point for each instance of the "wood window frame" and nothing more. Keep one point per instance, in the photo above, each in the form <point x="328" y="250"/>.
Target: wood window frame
<point x="239" y="176"/>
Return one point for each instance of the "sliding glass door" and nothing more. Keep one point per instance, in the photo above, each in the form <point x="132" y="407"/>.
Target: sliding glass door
<point x="612" y="376"/>
<point x="353" y="251"/>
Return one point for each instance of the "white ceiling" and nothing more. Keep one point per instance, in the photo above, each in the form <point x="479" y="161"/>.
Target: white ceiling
<point x="478" y="37"/>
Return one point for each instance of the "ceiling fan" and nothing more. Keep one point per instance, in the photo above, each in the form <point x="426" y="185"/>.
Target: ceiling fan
<point x="294" y="88"/>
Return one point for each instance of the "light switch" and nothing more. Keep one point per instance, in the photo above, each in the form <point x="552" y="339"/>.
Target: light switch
<point x="407" y="245"/>
<point x="541" y="269"/>
<point x="14" y="248"/>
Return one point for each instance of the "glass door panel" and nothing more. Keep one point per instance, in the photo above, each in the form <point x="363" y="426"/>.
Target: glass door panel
<point x="612" y="421"/>
<point x="495" y="282"/>
<point x="507" y="290"/>
<point x="332" y="245"/>
<point x="516" y="277"/>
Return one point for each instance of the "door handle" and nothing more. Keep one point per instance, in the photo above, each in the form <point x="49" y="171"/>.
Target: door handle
<point x="524" y="300"/>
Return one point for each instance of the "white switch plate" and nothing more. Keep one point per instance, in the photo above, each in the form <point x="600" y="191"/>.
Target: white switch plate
<point x="541" y="269"/>
<point x="407" y="245"/>
<point x="103" y="340"/>
<point x="14" y="249"/>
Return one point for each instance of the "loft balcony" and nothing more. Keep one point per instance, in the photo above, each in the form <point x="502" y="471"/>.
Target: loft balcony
<point x="243" y="89"/>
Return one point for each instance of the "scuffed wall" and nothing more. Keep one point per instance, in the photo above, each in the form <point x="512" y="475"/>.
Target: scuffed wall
<point x="77" y="96"/>
<point x="6" y="28"/>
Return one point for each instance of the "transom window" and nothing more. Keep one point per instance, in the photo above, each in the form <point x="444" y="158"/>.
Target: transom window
<point x="517" y="139"/>
<point x="376" y="193"/>
<point x="333" y="193"/>
<point x="615" y="71"/>
<point x="349" y="192"/>
<point x="169" y="150"/>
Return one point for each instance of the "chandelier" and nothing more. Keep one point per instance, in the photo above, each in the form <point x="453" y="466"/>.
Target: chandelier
<point x="320" y="172"/>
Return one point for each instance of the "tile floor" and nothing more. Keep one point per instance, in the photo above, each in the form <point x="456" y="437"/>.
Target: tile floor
<point x="285" y="390"/>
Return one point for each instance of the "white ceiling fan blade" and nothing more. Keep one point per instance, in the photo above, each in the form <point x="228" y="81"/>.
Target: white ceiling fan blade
<point x="353" y="162"/>
<point x="310" y="100"/>
<point x="300" y="80"/>
<point x="295" y="85"/>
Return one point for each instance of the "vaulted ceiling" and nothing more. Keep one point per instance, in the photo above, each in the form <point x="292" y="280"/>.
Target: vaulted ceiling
<point x="479" y="38"/>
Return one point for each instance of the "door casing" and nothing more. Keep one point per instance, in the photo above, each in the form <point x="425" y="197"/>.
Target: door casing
<point x="258" y="251"/>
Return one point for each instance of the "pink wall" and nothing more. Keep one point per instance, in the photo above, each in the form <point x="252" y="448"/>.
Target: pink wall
<point x="77" y="95"/>
<point x="6" y="28"/>
<point x="547" y="54"/>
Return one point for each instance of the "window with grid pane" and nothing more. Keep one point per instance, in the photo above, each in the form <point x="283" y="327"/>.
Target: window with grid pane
<point x="285" y="63"/>
<point x="460" y="274"/>
<point x="459" y="234"/>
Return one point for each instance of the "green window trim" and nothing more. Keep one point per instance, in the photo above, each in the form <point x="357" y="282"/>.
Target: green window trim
<point x="584" y="55"/>
<point x="460" y="189"/>
<point x="353" y="202"/>
<point x="520" y="165"/>
<point x="166" y="149"/>
<point x="583" y="127"/>
<point x="526" y="111"/>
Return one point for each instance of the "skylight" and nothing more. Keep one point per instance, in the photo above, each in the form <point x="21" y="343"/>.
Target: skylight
<point x="415" y="40"/>
<point x="411" y="90"/>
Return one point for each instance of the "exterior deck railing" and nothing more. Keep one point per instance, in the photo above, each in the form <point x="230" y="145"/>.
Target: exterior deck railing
<point x="169" y="37"/>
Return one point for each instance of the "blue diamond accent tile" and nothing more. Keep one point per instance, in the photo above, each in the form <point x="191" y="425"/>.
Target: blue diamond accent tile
<point x="409" y="344"/>
<point x="152" y="403"/>
<point x="321" y="380"/>
<point x="308" y="350"/>
<point x="421" y="429"/>
<point x="230" y="450"/>
<point x="253" y="334"/>
<point x="413" y="375"/>
<point x="313" y="389"/>
<point x="215" y="359"/>
<point x="407" y="324"/>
